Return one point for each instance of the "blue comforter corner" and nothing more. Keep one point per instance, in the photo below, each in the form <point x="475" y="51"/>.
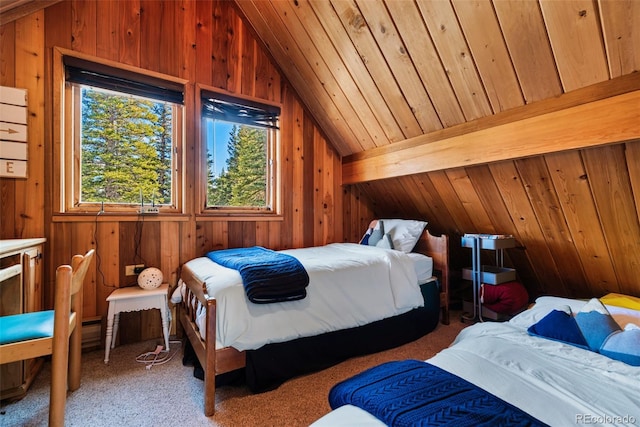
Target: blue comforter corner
<point x="267" y="276"/>
<point x="415" y="393"/>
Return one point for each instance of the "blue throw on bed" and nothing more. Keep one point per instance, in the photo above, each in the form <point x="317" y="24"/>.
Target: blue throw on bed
<point x="415" y="393"/>
<point x="268" y="276"/>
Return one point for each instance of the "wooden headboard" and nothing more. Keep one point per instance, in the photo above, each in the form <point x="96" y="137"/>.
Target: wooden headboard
<point x="437" y="247"/>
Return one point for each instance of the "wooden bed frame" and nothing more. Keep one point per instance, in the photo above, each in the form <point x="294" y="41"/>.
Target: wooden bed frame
<point x="227" y="359"/>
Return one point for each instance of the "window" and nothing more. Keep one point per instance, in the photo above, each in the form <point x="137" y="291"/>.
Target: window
<point x="123" y="138"/>
<point x="240" y="145"/>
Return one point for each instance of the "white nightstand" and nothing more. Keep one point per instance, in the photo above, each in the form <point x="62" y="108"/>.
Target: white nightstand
<point x="135" y="298"/>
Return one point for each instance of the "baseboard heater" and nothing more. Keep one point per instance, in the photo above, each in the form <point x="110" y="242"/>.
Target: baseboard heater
<point x="91" y="333"/>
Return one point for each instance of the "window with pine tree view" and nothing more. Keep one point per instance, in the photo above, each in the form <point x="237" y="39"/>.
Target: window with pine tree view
<point x="126" y="148"/>
<point x="123" y="137"/>
<point x="240" y="138"/>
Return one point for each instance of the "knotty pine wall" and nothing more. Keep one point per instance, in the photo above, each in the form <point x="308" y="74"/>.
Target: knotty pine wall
<point x="204" y="42"/>
<point x="575" y="215"/>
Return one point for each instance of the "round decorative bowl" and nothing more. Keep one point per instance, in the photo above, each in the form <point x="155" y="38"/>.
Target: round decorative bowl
<point x="150" y="278"/>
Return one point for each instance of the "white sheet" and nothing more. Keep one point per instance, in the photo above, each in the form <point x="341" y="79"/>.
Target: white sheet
<point x="557" y="383"/>
<point x="349" y="285"/>
<point x="423" y="265"/>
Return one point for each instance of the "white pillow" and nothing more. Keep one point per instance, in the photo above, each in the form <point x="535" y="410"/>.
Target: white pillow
<point x="404" y="233"/>
<point x="385" y="242"/>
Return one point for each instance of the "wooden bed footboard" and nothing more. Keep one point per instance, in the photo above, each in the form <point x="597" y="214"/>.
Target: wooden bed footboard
<point x="213" y="361"/>
<point x="437" y="247"/>
<point x="228" y="359"/>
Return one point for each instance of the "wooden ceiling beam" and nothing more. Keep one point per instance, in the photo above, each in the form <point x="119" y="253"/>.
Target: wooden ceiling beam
<point x="16" y="9"/>
<point x="600" y="114"/>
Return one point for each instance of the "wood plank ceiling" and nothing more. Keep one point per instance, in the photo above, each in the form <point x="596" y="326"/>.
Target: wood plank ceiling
<point x="377" y="74"/>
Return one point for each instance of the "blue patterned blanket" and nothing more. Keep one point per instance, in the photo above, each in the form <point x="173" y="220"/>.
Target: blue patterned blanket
<point x="268" y="276"/>
<point x="415" y="393"/>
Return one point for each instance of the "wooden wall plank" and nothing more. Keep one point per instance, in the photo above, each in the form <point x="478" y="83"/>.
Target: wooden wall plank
<point x="354" y="65"/>
<point x="323" y="113"/>
<point x="447" y="36"/>
<point x="514" y="196"/>
<point x="459" y="216"/>
<point x="186" y="50"/>
<point x="81" y="242"/>
<point x="129" y="36"/>
<point x="204" y="42"/>
<point x="264" y="76"/>
<point x="220" y="33"/>
<point x="333" y="72"/>
<point x="632" y="155"/>
<point x="318" y="212"/>
<point x="83" y="35"/>
<point x="292" y="33"/>
<point x="486" y="43"/>
<point x="187" y="241"/>
<point x="571" y="183"/>
<point x="407" y="186"/>
<point x="461" y="184"/>
<point x="308" y="199"/>
<point x="30" y="57"/>
<point x="620" y="22"/>
<point x="615" y="204"/>
<point x="426" y="61"/>
<point x="490" y="197"/>
<point x="8" y="57"/>
<point x="399" y="62"/>
<point x="234" y="56"/>
<point x="526" y="38"/>
<point x="262" y="233"/>
<point x="152" y="15"/>
<point x="7" y="78"/>
<point x="361" y="38"/>
<point x="546" y="206"/>
<point x="572" y="26"/>
<point x="107" y="262"/>
<point x="248" y="73"/>
<point x="169" y="252"/>
<point x="58" y="251"/>
<point x="108" y="29"/>
<point x="292" y="172"/>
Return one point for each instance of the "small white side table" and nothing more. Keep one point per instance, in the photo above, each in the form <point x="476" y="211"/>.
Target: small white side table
<point x="135" y="298"/>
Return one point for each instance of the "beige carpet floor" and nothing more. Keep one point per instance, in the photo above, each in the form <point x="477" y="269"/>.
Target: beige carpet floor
<point x="126" y="393"/>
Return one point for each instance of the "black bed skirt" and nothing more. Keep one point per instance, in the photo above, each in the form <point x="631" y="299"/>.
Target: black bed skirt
<point x="273" y="364"/>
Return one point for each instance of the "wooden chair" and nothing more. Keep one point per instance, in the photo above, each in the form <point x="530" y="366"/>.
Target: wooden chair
<point x="57" y="332"/>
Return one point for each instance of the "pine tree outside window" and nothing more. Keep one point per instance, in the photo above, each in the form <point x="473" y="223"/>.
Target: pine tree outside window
<point x="239" y="137"/>
<point x="123" y="138"/>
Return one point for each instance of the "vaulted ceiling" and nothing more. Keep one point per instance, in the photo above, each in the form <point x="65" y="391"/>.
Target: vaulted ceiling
<point x="388" y="79"/>
<point x="376" y="72"/>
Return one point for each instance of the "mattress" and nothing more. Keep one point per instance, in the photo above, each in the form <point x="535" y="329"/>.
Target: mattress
<point x="350" y="285"/>
<point x="556" y="383"/>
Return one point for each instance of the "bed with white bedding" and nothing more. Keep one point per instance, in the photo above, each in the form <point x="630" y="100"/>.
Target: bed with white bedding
<point x="351" y="287"/>
<point x="556" y="383"/>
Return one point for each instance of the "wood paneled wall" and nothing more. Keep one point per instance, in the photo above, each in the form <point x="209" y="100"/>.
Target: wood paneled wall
<point x="203" y="42"/>
<point x="575" y="215"/>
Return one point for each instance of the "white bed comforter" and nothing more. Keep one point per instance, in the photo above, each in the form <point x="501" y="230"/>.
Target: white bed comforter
<point x="558" y="384"/>
<point x="349" y="285"/>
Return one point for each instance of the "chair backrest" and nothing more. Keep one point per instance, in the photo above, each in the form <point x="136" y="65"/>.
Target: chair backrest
<point x="69" y="280"/>
<point x="67" y="334"/>
<point x="79" y="265"/>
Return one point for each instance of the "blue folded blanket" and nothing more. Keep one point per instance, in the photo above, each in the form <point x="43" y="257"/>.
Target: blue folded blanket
<point x="415" y="393"/>
<point x="268" y="276"/>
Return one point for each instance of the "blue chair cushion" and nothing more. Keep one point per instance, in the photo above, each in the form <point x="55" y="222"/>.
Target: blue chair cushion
<point x="27" y="326"/>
